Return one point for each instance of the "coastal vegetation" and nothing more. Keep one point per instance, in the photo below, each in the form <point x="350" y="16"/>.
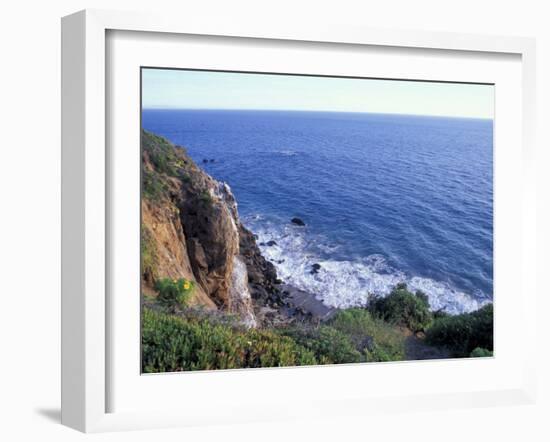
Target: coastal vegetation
<point x="380" y="340"/>
<point x="466" y="334"/>
<point x="479" y="352"/>
<point x="198" y="340"/>
<point x="174" y="293"/>
<point x="212" y="301"/>
<point x="404" y="308"/>
<point x="177" y="343"/>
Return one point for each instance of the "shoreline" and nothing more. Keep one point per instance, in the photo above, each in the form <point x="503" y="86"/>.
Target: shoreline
<point x="443" y="296"/>
<point x="308" y="302"/>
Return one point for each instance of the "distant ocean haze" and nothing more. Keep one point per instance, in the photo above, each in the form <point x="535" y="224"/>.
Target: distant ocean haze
<point x="385" y="198"/>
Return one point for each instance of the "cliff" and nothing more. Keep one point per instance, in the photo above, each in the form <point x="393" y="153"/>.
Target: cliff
<point x="191" y="229"/>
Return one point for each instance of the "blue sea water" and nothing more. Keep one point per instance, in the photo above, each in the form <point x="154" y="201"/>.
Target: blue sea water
<point x="385" y="198"/>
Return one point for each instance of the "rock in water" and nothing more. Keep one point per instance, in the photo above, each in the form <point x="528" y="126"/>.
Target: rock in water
<point x="315" y="268"/>
<point x="297" y="221"/>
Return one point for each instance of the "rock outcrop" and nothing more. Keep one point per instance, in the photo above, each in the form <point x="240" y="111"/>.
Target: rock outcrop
<point x="262" y="275"/>
<point x="298" y="222"/>
<point x="191" y="229"/>
<point x="164" y="249"/>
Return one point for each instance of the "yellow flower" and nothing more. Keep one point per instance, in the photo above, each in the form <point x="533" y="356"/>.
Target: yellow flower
<point x="186" y="285"/>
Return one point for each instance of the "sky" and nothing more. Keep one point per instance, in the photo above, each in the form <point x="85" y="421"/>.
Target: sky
<point x="181" y="89"/>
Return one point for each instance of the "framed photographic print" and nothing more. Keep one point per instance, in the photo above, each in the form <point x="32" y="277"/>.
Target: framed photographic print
<point x="275" y="223"/>
<point x="313" y="220"/>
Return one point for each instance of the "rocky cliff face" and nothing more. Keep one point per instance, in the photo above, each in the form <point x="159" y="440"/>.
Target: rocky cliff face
<point x="191" y="229"/>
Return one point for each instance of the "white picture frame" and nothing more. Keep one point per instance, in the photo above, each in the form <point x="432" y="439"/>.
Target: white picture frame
<point x="85" y="211"/>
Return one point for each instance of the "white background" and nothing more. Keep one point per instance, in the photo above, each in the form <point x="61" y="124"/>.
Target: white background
<point x="30" y="231"/>
<point x="314" y="385"/>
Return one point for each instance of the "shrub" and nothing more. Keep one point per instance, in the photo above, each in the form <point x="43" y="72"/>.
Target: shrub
<point x="161" y="153"/>
<point x="329" y="345"/>
<point x="171" y="343"/>
<point x="401" y="307"/>
<point x="153" y="186"/>
<point x="166" y="160"/>
<point x="206" y="198"/>
<point x="174" y="293"/>
<point x="269" y="349"/>
<point x="479" y="352"/>
<point x="185" y="178"/>
<point x="148" y="255"/>
<point x="463" y="333"/>
<point x="376" y="339"/>
<point x="438" y="314"/>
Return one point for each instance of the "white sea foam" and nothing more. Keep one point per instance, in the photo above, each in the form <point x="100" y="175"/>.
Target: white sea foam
<point x="348" y="283"/>
<point x="287" y="152"/>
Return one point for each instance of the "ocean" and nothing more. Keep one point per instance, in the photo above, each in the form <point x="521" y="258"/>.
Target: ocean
<point x="385" y="198"/>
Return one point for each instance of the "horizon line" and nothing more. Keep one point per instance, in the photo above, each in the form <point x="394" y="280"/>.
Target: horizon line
<point x="314" y="111"/>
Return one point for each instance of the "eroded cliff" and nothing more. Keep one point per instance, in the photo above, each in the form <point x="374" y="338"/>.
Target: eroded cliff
<point x="191" y="229"/>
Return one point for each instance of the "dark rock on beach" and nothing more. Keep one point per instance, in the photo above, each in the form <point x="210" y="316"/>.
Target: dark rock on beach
<point x="315" y="268"/>
<point x="268" y="244"/>
<point x="297" y="221"/>
<point x="308" y="303"/>
<point x="261" y="272"/>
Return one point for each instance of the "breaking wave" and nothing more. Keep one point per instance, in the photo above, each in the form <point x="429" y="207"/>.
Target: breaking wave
<point x="346" y="283"/>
